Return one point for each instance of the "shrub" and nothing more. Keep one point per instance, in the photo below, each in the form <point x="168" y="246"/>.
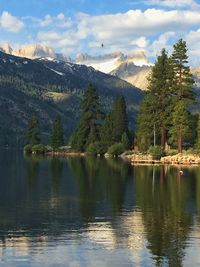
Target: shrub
<point x="116" y="149"/>
<point x="28" y="149"/>
<point x="39" y="149"/>
<point x="96" y="148"/>
<point x="156" y="152"/>
<point x="171" y="152"/>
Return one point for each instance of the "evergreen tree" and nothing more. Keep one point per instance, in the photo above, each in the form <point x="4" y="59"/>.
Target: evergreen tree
<point x="125" y="141"/>
<point x="180" y="122"/>
<point x="88" y="130"/>
<point x="182" y="90"/>
<point x="33" y="131"/>
<point x="57" y="139"/>
<point x="145" y="123"/>
<point x="119" y="119"/>
<point x="107" y="131"/>
<point x="154" y="116"/>
<point x="198" y="133"/>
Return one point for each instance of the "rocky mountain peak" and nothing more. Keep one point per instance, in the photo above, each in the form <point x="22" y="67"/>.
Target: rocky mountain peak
<point x="35" y="51"/>
<point x="6" y="48"/>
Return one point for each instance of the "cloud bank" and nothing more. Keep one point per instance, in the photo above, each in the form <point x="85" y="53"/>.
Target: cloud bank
<point x="149" y="30"/>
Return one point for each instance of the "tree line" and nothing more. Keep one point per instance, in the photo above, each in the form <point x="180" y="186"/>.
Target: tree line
<point x="96" y="132"/>
<point x="165" y="116"/>
<point x="33" y="135"/>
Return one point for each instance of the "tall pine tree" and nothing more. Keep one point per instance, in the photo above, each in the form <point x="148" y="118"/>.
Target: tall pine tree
<point x="88" y="129"/>
<point x="33" y="132"/>
<point x="106" y="133"/>
<point x="182" y="92"/>
<point x="57" y="139"/>
<point x="154" y="116"/>
<point x="119" y="119"/>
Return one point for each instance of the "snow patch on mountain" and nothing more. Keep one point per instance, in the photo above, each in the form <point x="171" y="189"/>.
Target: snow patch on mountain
<point x="110" y="62"/>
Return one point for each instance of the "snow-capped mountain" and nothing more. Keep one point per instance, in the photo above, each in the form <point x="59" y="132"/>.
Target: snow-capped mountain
<point x="110" y="62"/>
<point x="132" y="68"/>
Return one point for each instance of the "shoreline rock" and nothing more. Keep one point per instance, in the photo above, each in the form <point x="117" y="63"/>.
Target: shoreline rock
<point x="181" y="158"/>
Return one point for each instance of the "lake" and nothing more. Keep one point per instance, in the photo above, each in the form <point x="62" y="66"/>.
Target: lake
<point x="97" y="212"/>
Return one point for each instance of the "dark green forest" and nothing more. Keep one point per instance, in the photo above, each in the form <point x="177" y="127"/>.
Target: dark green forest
<point x="165" y="118"/>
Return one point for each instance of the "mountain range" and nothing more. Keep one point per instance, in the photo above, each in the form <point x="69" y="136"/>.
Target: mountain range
<point x="132" y="68"/>
<point x="36" y="79"/>
<point x="49" y="88"/>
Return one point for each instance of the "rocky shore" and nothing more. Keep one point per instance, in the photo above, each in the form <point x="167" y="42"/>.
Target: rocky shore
<point x="181" y="158"/>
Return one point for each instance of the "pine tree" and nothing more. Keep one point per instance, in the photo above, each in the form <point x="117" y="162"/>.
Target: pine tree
<point x="119" y="119"/>
<point x="125" y="141"/>
<point x="154" y="116"/>
<point x="180" y="122"/>
<point x="88" y="129"/>
<point x="182" y="90"/>
<point x="57" y="139"/>
<point x="107" y="131"/>
<point x="145" y="123"/>
<point x="183" y="80"/>
<point x="33" y="131"/>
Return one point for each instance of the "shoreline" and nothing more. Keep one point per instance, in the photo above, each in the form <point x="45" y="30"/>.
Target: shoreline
<point x="177" y="159"/>
<point x="65" y="154"/>
<point x="142" y="159"/>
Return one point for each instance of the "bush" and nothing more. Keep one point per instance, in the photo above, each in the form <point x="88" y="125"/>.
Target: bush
<point x="96" y="148"/>
<point x="171" y="152"/>
<point x="116" y="149"/>
<point x="156" y="152"/>
<point x="39" y="149"/>
<point x="28" y="149"/>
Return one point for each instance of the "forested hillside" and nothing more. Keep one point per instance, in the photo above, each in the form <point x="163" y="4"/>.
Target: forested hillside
<point x="51" y="88"/>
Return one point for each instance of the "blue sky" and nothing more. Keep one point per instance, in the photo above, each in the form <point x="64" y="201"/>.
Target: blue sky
<point x="80" y="26"/>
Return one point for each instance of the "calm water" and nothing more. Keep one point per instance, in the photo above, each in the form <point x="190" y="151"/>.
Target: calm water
<point x="97" y="212"/>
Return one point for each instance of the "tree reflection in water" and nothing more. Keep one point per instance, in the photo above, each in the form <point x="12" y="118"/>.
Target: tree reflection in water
<point x="166" y="214"/>
<point x="145" y="211"/>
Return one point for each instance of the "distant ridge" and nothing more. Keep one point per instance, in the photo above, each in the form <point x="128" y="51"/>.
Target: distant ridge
<point x="132" y="68"/>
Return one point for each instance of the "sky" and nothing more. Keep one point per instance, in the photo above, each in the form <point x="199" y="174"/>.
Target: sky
<point x="81" y="26"/>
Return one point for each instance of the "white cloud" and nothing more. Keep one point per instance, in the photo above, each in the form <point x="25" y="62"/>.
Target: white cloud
<point x="59" y="21"/>
<point x="141" y="42"/>
<point x="10" y="23"/>
<point x="174" y="3"/>
<point x="61" y="16"/>
<point x="193" y="43"/>
<point x="66" y="41"/>
<point x="130" y="31"/>
<point x="162" y="42"/>
<point x="46" y="21"/>
<point x="127" y="32"/>
<point x="149" y="30"/>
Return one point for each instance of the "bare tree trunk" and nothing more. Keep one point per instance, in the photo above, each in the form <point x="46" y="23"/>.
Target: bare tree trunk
<point x="179" y="140"/>
<point x="163" y="138"/>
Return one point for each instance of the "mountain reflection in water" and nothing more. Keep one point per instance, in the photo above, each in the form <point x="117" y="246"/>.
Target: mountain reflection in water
<point x="97" y="212"/>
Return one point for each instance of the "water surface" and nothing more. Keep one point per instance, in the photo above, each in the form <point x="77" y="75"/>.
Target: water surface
<point x="97" y="212"/>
